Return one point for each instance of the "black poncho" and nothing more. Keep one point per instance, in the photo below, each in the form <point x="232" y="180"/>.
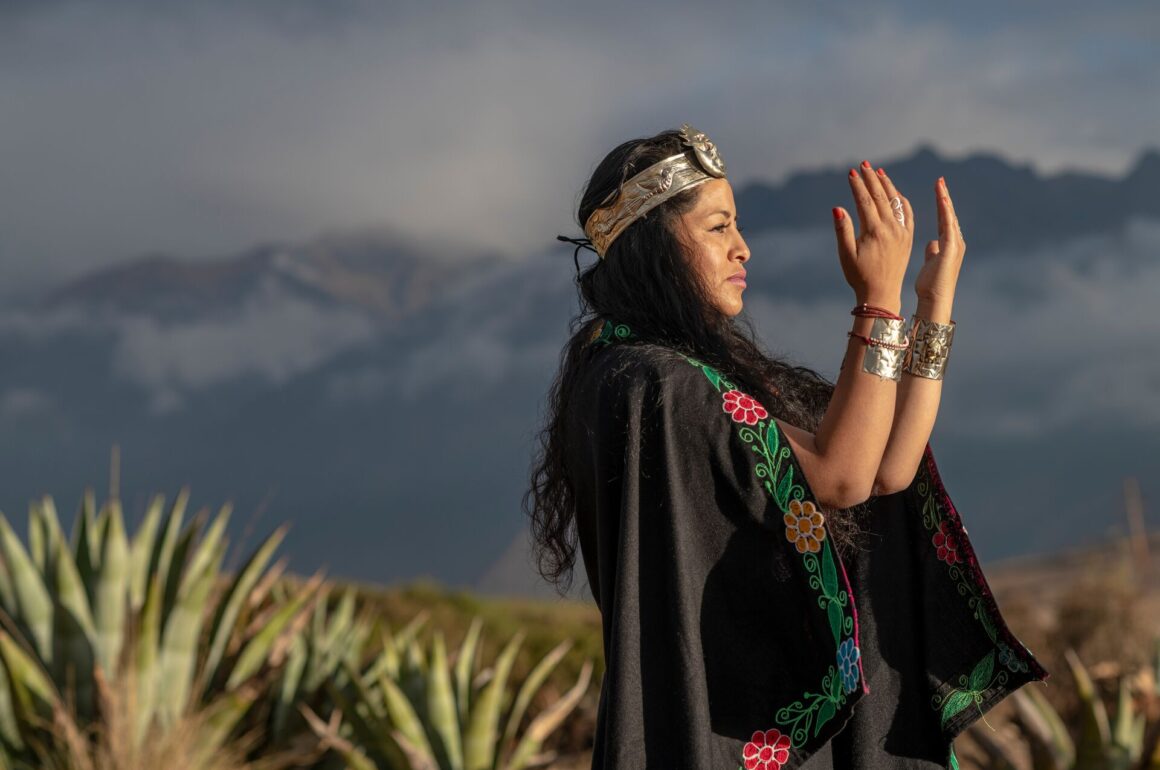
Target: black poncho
<point x="735" y="635"/>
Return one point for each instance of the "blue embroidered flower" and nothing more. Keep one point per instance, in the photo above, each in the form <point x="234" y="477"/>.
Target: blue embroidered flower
<point x="848" y="665"/>
<point x="1008" y="659"/>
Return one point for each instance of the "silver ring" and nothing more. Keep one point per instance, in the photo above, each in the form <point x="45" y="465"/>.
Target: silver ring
<point x="899" y="214"/>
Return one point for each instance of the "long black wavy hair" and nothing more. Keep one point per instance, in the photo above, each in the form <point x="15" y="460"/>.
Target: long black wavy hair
<point x="646" y="281"/>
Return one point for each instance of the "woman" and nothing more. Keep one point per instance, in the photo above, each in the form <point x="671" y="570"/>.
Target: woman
<point x="782" y="578"/>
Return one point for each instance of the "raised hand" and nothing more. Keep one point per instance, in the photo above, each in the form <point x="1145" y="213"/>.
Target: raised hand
<point x="874" y="262"/>
<point x="943" y="258"/>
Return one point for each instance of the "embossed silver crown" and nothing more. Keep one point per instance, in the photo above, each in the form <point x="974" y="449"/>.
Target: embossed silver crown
<point x="653" y="186"/>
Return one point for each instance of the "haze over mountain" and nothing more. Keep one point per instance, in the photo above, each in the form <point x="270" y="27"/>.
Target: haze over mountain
<point x="384" y="399"/>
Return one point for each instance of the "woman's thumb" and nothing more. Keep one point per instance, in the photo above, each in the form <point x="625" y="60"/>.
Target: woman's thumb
<point x="844" y="229"/>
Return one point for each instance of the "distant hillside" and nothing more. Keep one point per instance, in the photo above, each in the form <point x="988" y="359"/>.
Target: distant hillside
<point x="384" y="398"/>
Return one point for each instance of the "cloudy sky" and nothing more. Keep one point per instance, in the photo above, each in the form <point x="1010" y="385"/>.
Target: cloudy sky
<point x="199" y="129"/>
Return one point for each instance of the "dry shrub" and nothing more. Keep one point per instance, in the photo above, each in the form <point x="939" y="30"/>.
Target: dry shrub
<point x="190" y="743"/>
<point x="1103" y="618"/>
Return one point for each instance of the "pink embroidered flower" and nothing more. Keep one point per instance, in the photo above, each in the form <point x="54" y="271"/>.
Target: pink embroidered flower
<point x="743" y="408"/>
<point x="767" y="750"/>
<point x="944" y="541"/>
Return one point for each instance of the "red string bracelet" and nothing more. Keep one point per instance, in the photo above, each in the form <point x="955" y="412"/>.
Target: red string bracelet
<point x="872" y="311"/>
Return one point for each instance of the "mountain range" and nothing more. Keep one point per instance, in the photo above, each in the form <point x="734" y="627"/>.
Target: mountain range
<point x="384" y="397"/>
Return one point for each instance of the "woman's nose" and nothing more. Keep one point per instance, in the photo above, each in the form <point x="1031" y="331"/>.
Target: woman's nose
<point x="743" y="251"/>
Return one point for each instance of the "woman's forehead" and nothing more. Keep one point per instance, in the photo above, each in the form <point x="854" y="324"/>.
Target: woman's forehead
<point x="715" y="197"/>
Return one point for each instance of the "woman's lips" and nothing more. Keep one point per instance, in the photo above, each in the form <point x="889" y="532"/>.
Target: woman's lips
<point x="738" y="279"/>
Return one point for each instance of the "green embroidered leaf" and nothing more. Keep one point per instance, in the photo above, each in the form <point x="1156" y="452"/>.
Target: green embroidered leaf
<point x="829" y="571"/>
<point x="987" y="625"/>
<point x="956" y="703"/>
<point x="713" y="377"/>
<point x="835" y="681"/>
<point x="824" y="715"/>
<point x="981" y="676"/>
<point x="772" y="439"/>
<point x="834" y="611"/>
<point x="781" y="496"/>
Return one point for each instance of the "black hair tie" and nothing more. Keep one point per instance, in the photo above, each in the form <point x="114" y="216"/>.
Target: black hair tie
<point x="581" y="243"/>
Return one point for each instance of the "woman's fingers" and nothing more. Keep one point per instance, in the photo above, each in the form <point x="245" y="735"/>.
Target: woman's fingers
<point x="867" y="211"/>
<point x="901" y="211"/>
<point x="877" y="192"/>
<point x="949" y="234"/>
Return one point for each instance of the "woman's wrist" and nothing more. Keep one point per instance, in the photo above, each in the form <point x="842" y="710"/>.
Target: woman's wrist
<point x="937" y="309"/>
<point x="886" y="300"/>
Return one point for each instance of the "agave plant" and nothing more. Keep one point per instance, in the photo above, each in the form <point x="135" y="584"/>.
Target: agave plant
<point x="329" y="646"/>
<point x="1121" y="743"/>
<point x="146" y="608"/>
<point x="412" y="709"/>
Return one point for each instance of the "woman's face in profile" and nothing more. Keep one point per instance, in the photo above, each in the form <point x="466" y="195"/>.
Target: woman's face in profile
<point x="717" y="251"/>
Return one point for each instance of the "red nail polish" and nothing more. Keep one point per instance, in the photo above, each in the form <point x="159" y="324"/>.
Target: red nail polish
<point x="881" y="172"/>
<point x="866" y="164"/>
<point x="853" y="173"/>
<point x="838" y="214"/>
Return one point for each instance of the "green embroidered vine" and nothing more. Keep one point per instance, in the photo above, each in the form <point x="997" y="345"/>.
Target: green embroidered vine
<point x="933" y="519"/>
<point x="767" y="445"/>
<point x="983" y="677"/>
<point x="824" y="578"/>
<point x="609" y="333"/>
<point x="814" y="709"/>
<point x="971" y="689"/>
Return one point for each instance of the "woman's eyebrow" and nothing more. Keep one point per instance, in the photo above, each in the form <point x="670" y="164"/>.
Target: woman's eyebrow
<point x="722" y="211"/>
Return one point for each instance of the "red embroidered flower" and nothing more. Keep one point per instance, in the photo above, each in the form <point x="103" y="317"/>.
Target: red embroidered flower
<point x="767" y="750"/>
<point x="944" y="541"/>
<point x="743" y="408"/>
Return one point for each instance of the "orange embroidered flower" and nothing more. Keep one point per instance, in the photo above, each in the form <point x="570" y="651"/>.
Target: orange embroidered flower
<point x="803" y="526"/>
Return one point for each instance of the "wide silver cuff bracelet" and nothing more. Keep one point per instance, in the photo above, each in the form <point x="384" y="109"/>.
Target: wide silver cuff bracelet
<point x="927" y="355"/>
<point x="886" y="362"/>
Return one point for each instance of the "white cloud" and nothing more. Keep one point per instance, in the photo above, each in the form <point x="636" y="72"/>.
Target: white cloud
<point x="200" y="130"/>
<point x="274" y="336"/>
<point x="1067" y="346"/>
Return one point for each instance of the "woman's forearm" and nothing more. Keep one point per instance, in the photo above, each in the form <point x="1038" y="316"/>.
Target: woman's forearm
<point x="915" y="409"/>
<point x="842" y="458"/>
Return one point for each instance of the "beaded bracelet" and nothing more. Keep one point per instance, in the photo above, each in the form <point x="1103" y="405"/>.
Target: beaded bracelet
<point x="882" y="343"/>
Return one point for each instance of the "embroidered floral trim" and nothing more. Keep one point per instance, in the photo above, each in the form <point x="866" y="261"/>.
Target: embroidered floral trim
<point x="970" y="689"/>
<point x="610" y="332"/>
<point x="848" y="655"/>
<point x="1007" y="658"/>
<point x="804" y="526"/>
<point x="743" y="408"/>
<point x="767" y="750"/>
<point x="940" y="518"/>
<point x="944" y="541"/>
